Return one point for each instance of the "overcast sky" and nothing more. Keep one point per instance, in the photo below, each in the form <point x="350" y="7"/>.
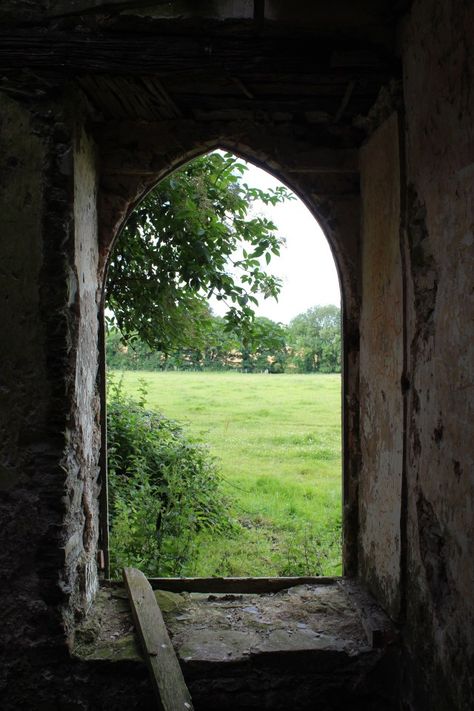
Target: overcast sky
<point x="306" y="265"/>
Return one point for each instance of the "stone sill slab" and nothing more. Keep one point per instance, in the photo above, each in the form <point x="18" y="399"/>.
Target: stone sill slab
<point x="222" y="628"/>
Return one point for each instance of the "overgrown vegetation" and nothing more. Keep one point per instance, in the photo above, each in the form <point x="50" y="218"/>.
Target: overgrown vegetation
<point x="193" y="236"/>
<point x="277" y="440"/>
<point x="163" y="488"/>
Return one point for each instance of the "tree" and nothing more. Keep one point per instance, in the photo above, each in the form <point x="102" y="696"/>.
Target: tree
<point x="123" y="356"/>
<point x="266" y="349"/>
<point x="221" y="346"/>
<point x="315" y="339"/>
<point x="220" y="350"/>
<point x="193" y="236"/>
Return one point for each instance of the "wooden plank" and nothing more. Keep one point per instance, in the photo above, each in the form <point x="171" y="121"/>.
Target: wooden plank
<point x="235" y="585"/>
<point x="378" y="627"/>
<point x="167" y="678"/>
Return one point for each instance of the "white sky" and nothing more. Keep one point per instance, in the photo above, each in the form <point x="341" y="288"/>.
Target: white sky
<point x="306" y="265"/>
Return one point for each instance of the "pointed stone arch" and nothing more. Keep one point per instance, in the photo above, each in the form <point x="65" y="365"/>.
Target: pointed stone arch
<point x="135" y="156"/>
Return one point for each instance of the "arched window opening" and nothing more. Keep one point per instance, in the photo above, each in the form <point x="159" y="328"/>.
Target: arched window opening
<point x="224" y="411"/>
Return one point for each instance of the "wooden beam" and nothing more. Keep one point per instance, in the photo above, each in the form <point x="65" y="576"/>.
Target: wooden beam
<point x="235" y="585"/>
<point x="167" y="678"/>
<point x="86" y="8"/>
<point x="76" y="52"/>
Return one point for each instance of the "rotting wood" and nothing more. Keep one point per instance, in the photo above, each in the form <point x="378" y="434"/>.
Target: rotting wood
<point x="73" y="52"/>
<point x="377" y="625"/>
<point x="235" y="585"/>
<point x="167" y="678"/>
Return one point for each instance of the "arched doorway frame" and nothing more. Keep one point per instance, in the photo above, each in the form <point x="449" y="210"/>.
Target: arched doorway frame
<point x="135" y="157"/>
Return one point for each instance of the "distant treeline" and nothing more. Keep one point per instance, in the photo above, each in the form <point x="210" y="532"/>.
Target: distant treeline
<point x="311" y="343"/>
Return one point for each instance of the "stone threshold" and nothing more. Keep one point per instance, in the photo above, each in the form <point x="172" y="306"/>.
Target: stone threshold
<point x="320" y="640"/>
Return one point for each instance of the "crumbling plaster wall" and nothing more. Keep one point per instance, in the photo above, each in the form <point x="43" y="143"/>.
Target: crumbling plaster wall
<point x="84" y="471"/>
<point x="48" y="429"/>
<point x="381" y="366"/>
<point x="439" y="98"/>
<point x="417" y="345"/>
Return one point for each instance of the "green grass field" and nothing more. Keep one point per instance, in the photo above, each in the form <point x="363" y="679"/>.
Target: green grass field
<point x="278" y="441"/>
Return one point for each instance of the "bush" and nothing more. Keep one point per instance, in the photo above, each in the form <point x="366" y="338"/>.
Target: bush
<point x="163" y="489"/>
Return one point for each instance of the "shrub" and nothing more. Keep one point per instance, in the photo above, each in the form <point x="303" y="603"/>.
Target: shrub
<point x="163" y="489"/>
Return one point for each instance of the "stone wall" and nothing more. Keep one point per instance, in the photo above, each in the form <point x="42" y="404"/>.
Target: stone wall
<point x="409" y="486"/>
<point x="417" y="360"/>
<point x="48" y="406"/>
<point x="30" y="453"/>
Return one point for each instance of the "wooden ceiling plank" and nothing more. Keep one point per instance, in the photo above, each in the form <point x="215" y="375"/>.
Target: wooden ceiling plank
<point x="155" y="87"/>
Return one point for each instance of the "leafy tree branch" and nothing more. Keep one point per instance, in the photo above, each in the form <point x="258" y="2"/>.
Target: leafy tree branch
<point x="194" y="236"/>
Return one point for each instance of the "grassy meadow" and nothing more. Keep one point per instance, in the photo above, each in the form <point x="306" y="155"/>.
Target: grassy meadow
<point x="278" y="441"/>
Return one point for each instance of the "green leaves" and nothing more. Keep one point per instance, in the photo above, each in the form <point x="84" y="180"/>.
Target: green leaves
<point x="163" y="488"/>
<point x="315" y="340"/>
<point x="311" y="343"/>
<point x="180" y="246"/>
